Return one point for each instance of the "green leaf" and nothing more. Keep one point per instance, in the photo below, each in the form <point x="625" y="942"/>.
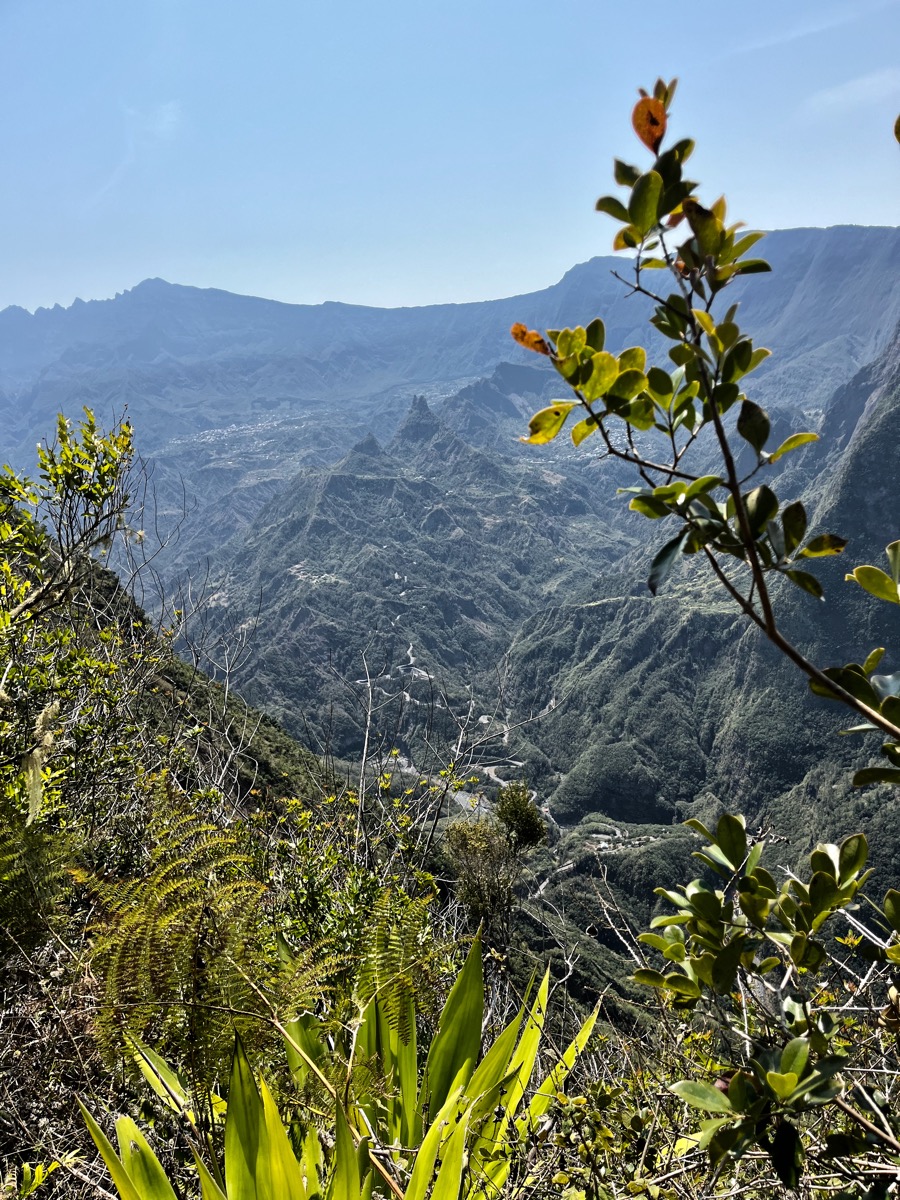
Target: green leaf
<point x="543" y="1097"/>
<point x="893" y="555"/>
<point x="120" y="1177"/>
<point x="546" y="424"/>
<point x="753" y="857"/>
<point x="854" y="850"/>
<point x="683" y="986"/>
<point x="243" y="1129"/>
<point x="643" y="205"/>
<point x="595" y="334"/>
<point x="420" y="1181"/>
<point x="649" y="506"/>
<point x="450" y="1174"/>
<point x="343" y="1183"/>
<point x="493" y="1067"/>
<point x="870" y="775"/>
<point x="278" y="1163"/>
<point x="823" y="892"/>
<point x="787" y="1155"/>
<point x="625" y="174"/>
<point x="654" y="940"/>
<point x="807" y="582"/>
<point x="783" y="1085"/>
<point x="209" y="1189"/>
<point x="660" y="382"/>
<point x="724" y="395"/>
<point x="876" y="582"/>
<point x="143" y="1166"/>
<point x="713" y="857"/>
<point x="742" y="245"/>
<point x="167" y="1084"/>
<point x="701" y="486"/>
<point x="633" y="359"/>
<point x="794" y="442"/>
<point x="762" y="506"/>
<point x="649" y="978"/>
<point x="705" y="321"/>
<point x="454" y="1051"/>
<point x="628" y="384"/>
<point x="891" y="908"/>
<point x="753" y="425"/>
<point x="793" y="522"/>
<point x="613" y="207"/>
<point x="731" y="836"/>
<point x="852" y="680"/>
<point x="873" y="660"/>
<point x="825" y="858"/>
<point x="639" y="413"/>
<point x="662" y="564"/>
<point x="776" y="541"/>
<point x="628" y="238"/>
<point x="699" y="827"/>
<point x="823" y="545"/>
<point x="753" y="266"/>
<point x="584" y="429"/>
<point x="604" y="370"/>
<point x="571" y="341"/>
<point x="724" y="969"/>
<point x="702" y="1095"/>
<point x="527" y="1050"/>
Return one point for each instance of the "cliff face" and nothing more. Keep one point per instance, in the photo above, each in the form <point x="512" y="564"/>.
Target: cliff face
<point x="519" y="574"/>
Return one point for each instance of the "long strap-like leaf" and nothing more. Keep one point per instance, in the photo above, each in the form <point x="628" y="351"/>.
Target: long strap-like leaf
<point x="141" y="1163"/>
<point x="243" y="1130"/>
<point x="120" y="1177"/>
<point x="456" y="1044"/>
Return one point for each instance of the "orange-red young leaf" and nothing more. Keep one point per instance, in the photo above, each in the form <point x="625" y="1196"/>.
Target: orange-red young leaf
<point x="649" y="121"/>
<point x="529" y="338"/>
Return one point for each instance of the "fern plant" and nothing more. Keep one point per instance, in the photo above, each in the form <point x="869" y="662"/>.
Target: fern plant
<point x="400" y="960"/>
<point x="176" y="945"/>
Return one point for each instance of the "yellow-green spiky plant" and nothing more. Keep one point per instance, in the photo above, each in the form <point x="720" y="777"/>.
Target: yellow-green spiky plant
<point x="449" y="1129"/>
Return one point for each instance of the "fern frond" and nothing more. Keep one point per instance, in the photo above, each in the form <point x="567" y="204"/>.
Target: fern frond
<point x="394" y="965"/>
<point x="176" y="945"/>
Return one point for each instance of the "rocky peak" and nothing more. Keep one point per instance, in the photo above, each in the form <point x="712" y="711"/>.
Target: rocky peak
<point x="420" y="425"/>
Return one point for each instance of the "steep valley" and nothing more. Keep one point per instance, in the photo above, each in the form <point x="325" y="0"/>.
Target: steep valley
<point x="348" y="486"/>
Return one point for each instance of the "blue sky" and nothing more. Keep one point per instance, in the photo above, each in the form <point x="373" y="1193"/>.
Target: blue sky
<point x="410" y="152"/>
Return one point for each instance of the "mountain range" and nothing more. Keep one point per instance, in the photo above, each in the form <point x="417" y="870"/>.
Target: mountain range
<point x="382" y="548"/>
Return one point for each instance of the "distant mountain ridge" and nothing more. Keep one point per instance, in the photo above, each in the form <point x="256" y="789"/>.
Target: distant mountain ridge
<point x="187" y="359"/>
<point x="156" y="317"/>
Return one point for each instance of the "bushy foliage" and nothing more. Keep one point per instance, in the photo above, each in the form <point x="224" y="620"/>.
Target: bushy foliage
<point x="487" y="851"/>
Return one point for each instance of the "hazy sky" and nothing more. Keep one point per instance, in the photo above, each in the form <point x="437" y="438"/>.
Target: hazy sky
<point x="406" y="152"/>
